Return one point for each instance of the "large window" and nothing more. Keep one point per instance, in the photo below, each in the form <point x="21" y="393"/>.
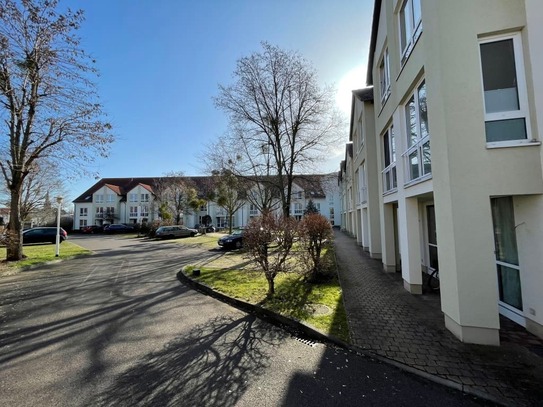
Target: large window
<point x="410" y="26"/>
<point x="384" y="77"/>
<point x="133" y="197"/>
<point x="417" y="156"/>
<point x="99" y="198"/>
<point x="505" y="100"/>
<point x="389" y="160"/>
<point x="144" y="197"/>
<point x="83" y="211"/>
<point x="133" y="212"/>
<point x="110" y="197"/>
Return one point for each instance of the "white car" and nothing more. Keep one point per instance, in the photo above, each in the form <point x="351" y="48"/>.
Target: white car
<point x="170" y="232"/>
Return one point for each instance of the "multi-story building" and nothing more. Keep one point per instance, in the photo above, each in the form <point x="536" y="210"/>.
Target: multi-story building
<point x="133" y="200"/>
<point x="452" y="178"/>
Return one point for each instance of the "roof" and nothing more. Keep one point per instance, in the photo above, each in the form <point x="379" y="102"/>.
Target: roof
<point x="122" y="186"/>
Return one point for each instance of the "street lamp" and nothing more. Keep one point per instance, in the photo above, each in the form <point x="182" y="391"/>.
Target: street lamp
<point x="59" y="202"/>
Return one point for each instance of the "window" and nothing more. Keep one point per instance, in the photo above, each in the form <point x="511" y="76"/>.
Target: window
<point x="360" y="133"/>
<point x="298" y="209"/>
<point x="99" y="212"/>
<point x="332" y="216"/>
<point x="505" y="100"/>
<point x="144" y="197"/>
<point x="384" y="77"/>
<point x="410" y="26"/>
<point x="144" y="210"/>
<point x="362" y="185"/>
<point x="110" y="197"/>
<point x="253" y="210"/>
<point x="110" y="212"/>
<point x="203" y="208"/>
<point x="419" y="163"/>
<point x="133" y="211"/>
<point x="133" y="197"/>
<point x="99" y="198"/>
<point x="82" y="223"/>
<point x="389" y="160"/>
<point x="83" y="211"/>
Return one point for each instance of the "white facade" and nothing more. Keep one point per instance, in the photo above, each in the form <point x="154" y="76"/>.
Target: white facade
<point x="125" y="200"/>
<point x="458" y="105"/>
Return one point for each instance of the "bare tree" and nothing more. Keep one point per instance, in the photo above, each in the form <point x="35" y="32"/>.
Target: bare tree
<point x="280" y="117"/>
<point x="231" y="193"/>
<point x="48" y="103"/>
<point x="172" y="195"/>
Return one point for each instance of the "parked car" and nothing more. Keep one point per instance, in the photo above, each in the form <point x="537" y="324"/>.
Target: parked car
<point x="43" y="235"/>
<point x="169" y="232"/>
<point x="118" y="228"/>
<point x="202" y="228"/>
<point x="92" y="229"/>
<point x="233" y="241"/>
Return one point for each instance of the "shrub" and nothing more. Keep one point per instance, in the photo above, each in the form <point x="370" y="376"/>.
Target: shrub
<point x="268" y="241"/>
<point x="315" y="232"/>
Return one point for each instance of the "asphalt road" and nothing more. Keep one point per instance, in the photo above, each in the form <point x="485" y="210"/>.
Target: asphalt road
<point x="118" y="329"/>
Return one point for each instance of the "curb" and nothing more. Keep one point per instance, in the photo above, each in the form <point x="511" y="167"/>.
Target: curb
<point x="299" y="328"/>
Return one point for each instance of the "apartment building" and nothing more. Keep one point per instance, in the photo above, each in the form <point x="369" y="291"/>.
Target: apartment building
<point x="133" y="200"/>
<point x="452" y="178"/>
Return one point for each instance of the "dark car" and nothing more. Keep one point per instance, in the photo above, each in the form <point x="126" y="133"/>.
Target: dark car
<point x="43" y="235"/>
<point x="118" y="228"/>
<point x="92" y="229"/>
<point x="233" y="241"/>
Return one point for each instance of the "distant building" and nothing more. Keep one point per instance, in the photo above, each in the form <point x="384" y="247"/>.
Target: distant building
<point x="133" y="200"/>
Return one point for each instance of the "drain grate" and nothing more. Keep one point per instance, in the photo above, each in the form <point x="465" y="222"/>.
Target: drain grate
<point x="307" y="342"/>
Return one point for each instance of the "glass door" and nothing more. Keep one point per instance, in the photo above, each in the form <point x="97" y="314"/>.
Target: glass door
<point x="432" y="238"/>
<point x="507" y="263"/>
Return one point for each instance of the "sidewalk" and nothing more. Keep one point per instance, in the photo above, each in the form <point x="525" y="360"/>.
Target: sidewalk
<point x="387" y="321"/>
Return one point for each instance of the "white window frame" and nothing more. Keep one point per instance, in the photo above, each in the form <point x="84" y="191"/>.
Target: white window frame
<point x="413" y="29"/>
<point x="417" y="146"/>
<point x="144" y="211"/>
<point x="133" y="212"/>
<point x="82" y="223"/>
<point x="389" y="172"/>
<point x="110" y="198"/>
<point x="523" y="111"/>
<point x="83" y="211"/>
<point x="133" y="197"/>
<point x="99" y="198"/>
<point x="384" y="76"/>
<point x="144" y="197"/>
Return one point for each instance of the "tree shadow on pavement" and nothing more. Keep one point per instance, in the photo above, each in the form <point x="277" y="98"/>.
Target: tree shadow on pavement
<point x="211" y="366"/>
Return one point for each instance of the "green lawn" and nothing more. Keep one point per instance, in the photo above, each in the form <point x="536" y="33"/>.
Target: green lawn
<point x="42" y="253"/>
<point x="319" y="305"/>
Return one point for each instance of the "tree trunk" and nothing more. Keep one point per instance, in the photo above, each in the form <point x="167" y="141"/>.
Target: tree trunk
<point x="271" y="286"/>
<point x="230" y="217"/>
<point x="14" y="246"/>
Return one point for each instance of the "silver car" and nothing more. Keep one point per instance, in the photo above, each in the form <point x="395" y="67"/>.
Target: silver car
<point x="170" y="232"/>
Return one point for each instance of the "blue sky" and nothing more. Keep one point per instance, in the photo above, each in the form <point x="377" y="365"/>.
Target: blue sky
<point x="161" y="62"/>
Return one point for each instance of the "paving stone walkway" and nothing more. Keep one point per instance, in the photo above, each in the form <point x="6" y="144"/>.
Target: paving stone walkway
<point x="387" y="321"/>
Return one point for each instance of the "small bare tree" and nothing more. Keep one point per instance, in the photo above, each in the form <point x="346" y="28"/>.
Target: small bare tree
<point x="231" y="194"/>
<point x="172" y="195"/>
<point x="281" y="120"/>
<point x="268" y="240"/>
<point x="48" y="102"/>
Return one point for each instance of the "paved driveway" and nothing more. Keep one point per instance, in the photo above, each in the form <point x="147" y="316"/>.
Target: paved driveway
<point x="117" y="328"/>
